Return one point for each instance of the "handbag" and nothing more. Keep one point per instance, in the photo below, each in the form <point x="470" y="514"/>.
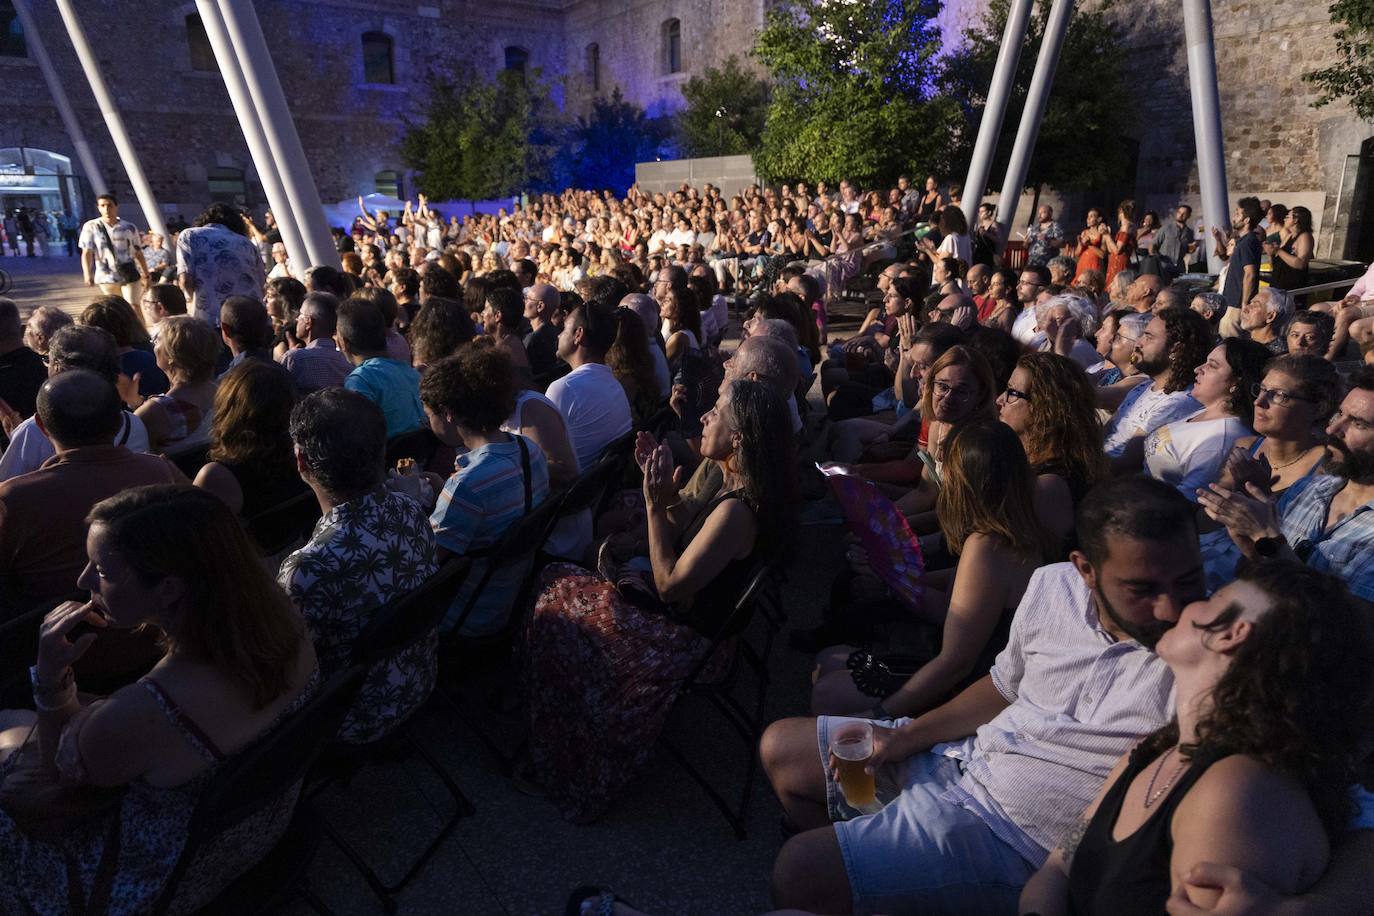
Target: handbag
<point x="125" y="272"/>
<point x="880" y="676"/>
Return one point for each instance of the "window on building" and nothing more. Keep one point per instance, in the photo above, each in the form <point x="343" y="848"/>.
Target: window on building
<point x="388" y="182"/>
<point x="516" y="59"/>
<point x="594" y="66"/>
<point x="202" y="55"/>
<point x="672" y="46"/>
<point x="227" y="186"/>
<point x="379" y="64"/>
<point x="12" y="42"/>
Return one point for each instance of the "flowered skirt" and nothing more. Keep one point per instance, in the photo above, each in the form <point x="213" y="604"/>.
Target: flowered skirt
<point x="601" y="677"/>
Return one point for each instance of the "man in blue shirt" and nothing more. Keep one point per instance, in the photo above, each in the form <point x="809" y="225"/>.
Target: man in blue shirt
<point x="391" y="384"/>
<point x="1242" y="274"/>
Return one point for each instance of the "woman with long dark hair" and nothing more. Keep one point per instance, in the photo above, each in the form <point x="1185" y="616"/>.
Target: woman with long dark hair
<point x="1254" y="771"/>
<point x="987" y="513"/>
<point x="607" y="653"/>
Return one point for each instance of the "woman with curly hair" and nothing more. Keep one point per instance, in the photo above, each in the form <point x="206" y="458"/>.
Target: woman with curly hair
<point x="252" y="464"/>
<point x="1049" y="403"/>
<point x="1188" y="453"/>
<point x="1254" y="772"/>
<point x="440" y="327"/>
<point x="606" y="654"/>
<point x="987" y="513"/>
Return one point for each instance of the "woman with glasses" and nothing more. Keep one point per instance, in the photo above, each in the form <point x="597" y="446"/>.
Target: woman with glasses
<point x="986" y="507"/>
<point x="1189" y="453"/>
<point x="1048" y="403"/>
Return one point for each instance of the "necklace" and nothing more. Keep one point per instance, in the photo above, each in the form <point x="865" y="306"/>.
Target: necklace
<point x="1301" y="456"/>
<point x="1151" y="796"/>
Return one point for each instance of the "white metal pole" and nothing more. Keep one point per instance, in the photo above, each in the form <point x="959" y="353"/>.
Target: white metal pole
<point x="245" y="32"/>
<point x="1207" y="133"/>
<point x="1003" y="76"/>
<point x="127" y="155"/>
<point x="252" y="132"/>
<point x="33" y="40"/>
<point x="1037" y="97"/>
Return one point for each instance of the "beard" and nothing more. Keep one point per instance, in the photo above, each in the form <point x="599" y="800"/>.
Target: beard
<point x="1355" y="467"/>
<point x="1150" y="367"/>
<point x="1147" y="634"/>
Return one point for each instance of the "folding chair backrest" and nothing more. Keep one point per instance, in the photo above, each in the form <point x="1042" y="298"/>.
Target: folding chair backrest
<point x="403" y="621"/>
<point x="260" y="775"/>
<point x="518" y="545"/>
<point x="278" y="527"/>
<point x="739" y="617"/>
<point x="588" y="489"/>
<point x="419" y="444"/>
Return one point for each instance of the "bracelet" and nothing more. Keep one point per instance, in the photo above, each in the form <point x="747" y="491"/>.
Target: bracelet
<point x="68" y="695"/>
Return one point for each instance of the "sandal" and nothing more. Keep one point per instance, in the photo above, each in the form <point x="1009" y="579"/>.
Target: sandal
<point x="605" y="901"/>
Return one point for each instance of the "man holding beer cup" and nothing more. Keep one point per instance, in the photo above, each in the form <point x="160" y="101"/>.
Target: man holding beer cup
<point x="964" y="803"/>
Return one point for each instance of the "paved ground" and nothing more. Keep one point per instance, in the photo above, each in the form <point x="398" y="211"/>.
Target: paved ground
<point x="47" y="281"/>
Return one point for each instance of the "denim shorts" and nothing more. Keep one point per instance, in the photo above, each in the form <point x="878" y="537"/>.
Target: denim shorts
<point x="921" y="853"/>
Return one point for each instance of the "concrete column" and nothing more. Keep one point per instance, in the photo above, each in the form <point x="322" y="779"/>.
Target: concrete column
<point x="127" y="155"/>
<point x="260" y="74"/>
<point x="33" y="40"/>
<point x="1207" y="134"/>
<point x="1003" y="76"/>
<point x="1036" y="98"/>
<point x="253" y="133"/>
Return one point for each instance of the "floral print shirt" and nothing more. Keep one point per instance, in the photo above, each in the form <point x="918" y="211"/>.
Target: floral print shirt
<point x="362" y="554"/>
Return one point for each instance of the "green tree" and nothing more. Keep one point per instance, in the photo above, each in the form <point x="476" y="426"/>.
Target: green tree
<point x="1080" y="141"/>
<point x="725" y="112"/>
<point x="1352" y="76"/>
<point x="480" y="139"/>
<point x="606" y="143"/>
<point x="852" y="96"/>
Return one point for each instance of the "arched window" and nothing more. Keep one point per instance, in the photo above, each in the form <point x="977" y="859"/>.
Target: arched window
<point x="12" y="42"/>
<point x="672" y="46"/>
<point x="227" y="186"/>
<point x="594" y="66"/>
<point x="388" y="182"/>
<point x="202" y="55"/>
<point x="378" y="59"/>
<point x="516" y="58"/>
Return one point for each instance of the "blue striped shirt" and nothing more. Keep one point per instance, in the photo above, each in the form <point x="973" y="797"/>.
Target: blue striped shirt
<point x="1346" y="549"/>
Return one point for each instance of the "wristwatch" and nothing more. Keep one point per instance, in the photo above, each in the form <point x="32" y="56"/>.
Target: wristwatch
<point x="1269" y="547"/>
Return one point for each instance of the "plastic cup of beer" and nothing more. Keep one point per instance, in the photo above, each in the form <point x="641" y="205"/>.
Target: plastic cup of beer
<point x="851" y="743"/>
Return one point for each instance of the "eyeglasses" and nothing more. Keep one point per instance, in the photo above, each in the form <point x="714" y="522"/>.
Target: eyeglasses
<point x="954" y="393"/>
<point x="1278" y="395"/>
<point x="1013" y="394"/>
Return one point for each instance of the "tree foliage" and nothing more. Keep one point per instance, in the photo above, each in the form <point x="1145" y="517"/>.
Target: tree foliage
<point x="725" y="111"/>
<point x="852" y="91"/>
<point x="1352" y="76"/>
<point x="1080" y="142"/>
<point x="481" y="139"/>
<point x="605" y="144"/>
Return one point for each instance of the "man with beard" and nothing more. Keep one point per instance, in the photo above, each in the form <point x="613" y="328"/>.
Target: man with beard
<point x="1171" y="347"/>
<point x="1325" y="520"/>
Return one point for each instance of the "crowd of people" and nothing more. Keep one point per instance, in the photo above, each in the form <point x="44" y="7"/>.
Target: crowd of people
<point x="1133" y="671"/>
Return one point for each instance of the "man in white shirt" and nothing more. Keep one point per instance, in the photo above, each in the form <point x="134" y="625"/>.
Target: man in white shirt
<point x="280" y="266"/>
<point x="1170" y="348"/>
<point x="682" y="234"/>
<point x="106" y="242"/>
<point x="1028" y="290"/>
<point x="72" y="347"/>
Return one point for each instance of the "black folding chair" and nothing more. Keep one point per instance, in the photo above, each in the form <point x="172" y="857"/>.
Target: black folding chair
<point x="19" y="650"/>
<point x="419" y="444"/>
<point x="266" y="775"/>
<point x="393" y="629"/>
<point x="190" y="460"/>
<point x="279" y="527"/>
<point x="591" y="489"/>
<point x="748" y="723"/>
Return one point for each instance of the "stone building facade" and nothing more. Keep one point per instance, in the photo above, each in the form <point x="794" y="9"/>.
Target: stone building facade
<point x="354" y="71"/>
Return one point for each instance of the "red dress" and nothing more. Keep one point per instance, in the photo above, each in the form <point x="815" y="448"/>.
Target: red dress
<point x="1116" y="263"/>
<point x="1089" y="258"/>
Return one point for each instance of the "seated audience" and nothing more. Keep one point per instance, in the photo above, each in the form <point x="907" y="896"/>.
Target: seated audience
<point x="390" y="384"/>
<point x="180" y="420"/>
<point x="316" y="363"/>
<point x="1189" y="453"/>
<point x="502" y="317"/>
<point x="500" y="478"/>
<point x="1264" y="318"/>
<point x="1170" y="348"/>
<point x="283" y="298"/>
<point x="346" y="571"/>
<point x="397" y="347"/>
<point x="988" y="517"/>
<point x="115" y="315"/>
<point x="1266" y="738"/>
<point x="246" y="329"/>
<point x="1312" y="333"/>
<point x="44" y="322"/>
<point x="440" y="327"/>
<point x="647" y="310"/>
<point x="251" y="465"/>
<point x="73" y="347"/>
<point x="22" y="371"/>
<point x="541" y="343"/>
<point x="43" y="512"/>
<point x="631" y="362"/>
<point x="590" y="650"/>
<point x="160" y="302"/>
<point x="238" y="662"/>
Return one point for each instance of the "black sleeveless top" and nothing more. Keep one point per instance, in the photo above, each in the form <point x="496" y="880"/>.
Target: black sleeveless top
<point x="1131" y="876"/>
<point x="1284" y="277"/>
<point x="711" y="606"/>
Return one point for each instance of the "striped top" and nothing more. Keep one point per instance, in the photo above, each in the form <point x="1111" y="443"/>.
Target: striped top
<point x="1346" y="549"/>
<point x="1079" y="700"/>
